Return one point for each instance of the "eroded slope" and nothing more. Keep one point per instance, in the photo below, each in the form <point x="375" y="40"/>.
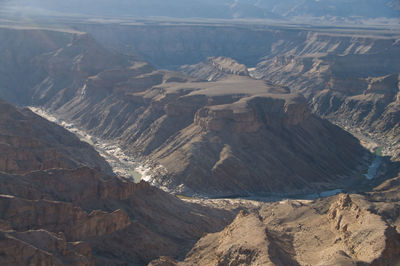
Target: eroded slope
<point x="63" y="213"/>
<point x="232" y="136"/>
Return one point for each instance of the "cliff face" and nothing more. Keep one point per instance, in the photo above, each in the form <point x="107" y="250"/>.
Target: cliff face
<point x="171" y="46"/>
<point x="244" y="133"/>
<point x="42" y="248"/>
<point x="29" y="142"/>
<point x="351" y="80"/>
<point x="215" y="68"/>
<point x="340" y="230"/>
<point x="56" y="210"/>
<point x="308" y="61"/>
<point x="232" y="136"/>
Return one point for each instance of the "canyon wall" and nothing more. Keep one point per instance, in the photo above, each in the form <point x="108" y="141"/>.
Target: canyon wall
<point x="230" y="137"/>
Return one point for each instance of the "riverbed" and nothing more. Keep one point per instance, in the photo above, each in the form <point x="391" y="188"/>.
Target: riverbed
<point x="121" y="163"/>
<point x="126" y="166"/>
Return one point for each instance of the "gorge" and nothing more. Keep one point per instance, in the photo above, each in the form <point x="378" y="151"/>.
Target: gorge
<point x="242" y="138"/>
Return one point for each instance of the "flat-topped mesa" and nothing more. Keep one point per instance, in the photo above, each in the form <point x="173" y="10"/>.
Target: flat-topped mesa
<point x="237" y="134"/>
<point x="250" y="114"/>
<point x="230" y="136"/>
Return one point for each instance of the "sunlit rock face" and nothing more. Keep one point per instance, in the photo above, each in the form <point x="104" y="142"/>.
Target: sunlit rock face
<point x="60" y="204"/>
<point x="230" y="136"/>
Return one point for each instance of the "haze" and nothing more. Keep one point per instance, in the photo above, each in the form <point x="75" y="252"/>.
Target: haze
<point x="330" y="10"/>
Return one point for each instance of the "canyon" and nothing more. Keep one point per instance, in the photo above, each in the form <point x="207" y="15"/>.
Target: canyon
<point x="164" y="117"/>
<point x="230" y="142"/>
<point x="72" y="214"/>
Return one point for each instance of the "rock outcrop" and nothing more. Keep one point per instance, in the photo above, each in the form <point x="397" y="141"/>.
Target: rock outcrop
<point x="232" y="136"/>
<point x="215" y="68"/>
<point x="352" y="81"/>
<point x="40" y="247"/>
<point x="29" y="142"/>
<point x="62" y="212"/>
<point x="183" y="121"/>
<point x="341" y="230"/>
<point x="60" y="217"/>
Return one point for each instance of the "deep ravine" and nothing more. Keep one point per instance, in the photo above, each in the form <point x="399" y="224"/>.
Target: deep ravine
<point x="130" y="168"/>
<point x="121" y="163"/>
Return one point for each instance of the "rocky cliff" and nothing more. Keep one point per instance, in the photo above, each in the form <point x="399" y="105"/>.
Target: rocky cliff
<point x="215" y="68"/>
<point x="183" y="121"/>
<point x="232" y="136"/>
<point x="340" y="230"/>
<point x="351" y="80"/>
<point x="29" y="142"/>
<point x="306" y="60"/>
<point x="336" y="62"/>
<point x="56" y="210"/>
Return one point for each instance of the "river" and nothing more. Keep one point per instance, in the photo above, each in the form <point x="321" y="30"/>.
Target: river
<point x="121" y="163"/>
<point x="126" y="166"/>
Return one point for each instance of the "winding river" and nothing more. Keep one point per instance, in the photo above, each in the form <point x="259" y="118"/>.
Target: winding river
<point x="126" y="166"/>
<point x="121" y="163"/>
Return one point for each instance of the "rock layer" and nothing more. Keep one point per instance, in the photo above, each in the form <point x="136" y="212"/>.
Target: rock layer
<point x="341" y="230"/>
<point x="29" y="142"/>
<point x="58" y="214"/>
<point x="231" y="136"/>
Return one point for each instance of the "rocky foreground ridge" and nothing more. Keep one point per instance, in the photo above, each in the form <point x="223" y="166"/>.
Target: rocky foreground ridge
<point x="340" y="230"/>
<point x="55" y="213"/>
<point x="82" y="216"/>
<point x="58" y="210"/>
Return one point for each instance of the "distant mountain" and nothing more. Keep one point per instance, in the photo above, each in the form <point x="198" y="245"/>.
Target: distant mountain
<point x="223" y="9"/>
<point x="335" y="8"/>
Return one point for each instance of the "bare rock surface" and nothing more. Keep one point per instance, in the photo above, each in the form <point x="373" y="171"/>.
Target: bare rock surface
<point x="341" y="230"/>
<point x="235" y="135"/>
<point x="351" y="80"/>
<point x="29" y="142"/>
<point x="215" y="68"/>
<point x="232" y="136"/>
<point x="66" y="213"/>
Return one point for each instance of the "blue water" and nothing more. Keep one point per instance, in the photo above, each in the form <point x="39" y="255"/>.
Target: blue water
<point x="373" y="168"/>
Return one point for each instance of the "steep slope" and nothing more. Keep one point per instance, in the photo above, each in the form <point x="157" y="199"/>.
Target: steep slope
<point x="341" y="230"/>
<point x="29" y="142"/>
<point x="82" y="216"/>
<point x="115" y="220"/>
<point x="183" y="121"/>
<point x="353" y="81"/>
<point x="231" y="137"/>
<point x="246" y="141"/>
<point x="34" y="59"/>
<point x="18" y="71"/>
<point x="214" y="68"/>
